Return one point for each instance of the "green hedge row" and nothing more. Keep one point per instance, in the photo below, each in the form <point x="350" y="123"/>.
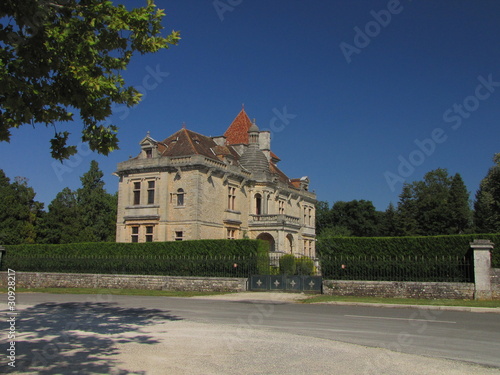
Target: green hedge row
<point x="217" y="266"/>
<point x="413" y="268"/>
<point x="244" y="247"/>
<point x="429" y="246"/>
<point x="182" y="258"/>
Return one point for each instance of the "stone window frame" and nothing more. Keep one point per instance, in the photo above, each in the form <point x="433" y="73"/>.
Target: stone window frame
<point x="231" y="198"/>
<point x="134" y="233"/>
<point x="179" y="197"/>
<point x="136" y="192"/>
<point x="258" y="203"/>
<point x="231" y="233"/>
<point x="149" y="236"/>
<point x="178" y="235"/>
<point x="281" y="207"/>
<point x="151" y="191"/>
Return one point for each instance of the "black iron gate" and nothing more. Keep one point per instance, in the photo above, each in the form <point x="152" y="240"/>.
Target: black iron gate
<point x="287" y="283"/>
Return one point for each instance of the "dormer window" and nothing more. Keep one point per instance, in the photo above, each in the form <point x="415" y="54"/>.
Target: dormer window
<point x="149" y="153"/>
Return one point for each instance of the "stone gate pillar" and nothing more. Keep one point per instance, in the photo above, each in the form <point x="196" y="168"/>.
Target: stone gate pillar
<point x="482" y="268"/>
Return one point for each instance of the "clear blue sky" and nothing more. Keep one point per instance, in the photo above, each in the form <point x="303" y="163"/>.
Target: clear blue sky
<point x="347" y="126"/>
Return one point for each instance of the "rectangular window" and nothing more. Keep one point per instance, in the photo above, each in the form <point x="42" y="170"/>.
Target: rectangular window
<point x="178" y="236"/>
<point x="149" y="153"/>
<point x="180" y="197"/>
<point x="137" y="193"/>
<point x="149" y="233"/>
<point x="231" y="198"/>
<point x="281" y="207"/>
<point x="135" y="234"/>
<point x="151" y="192"/>
<point x="310" y="216"/>
<point x="231" y="234"/>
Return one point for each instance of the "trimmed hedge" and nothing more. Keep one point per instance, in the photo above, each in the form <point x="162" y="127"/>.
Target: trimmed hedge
<point x="182" y="258"/>
<point x="429" y="246"/>
<point x="138" y="265"/>
<point x="244" y="247"/>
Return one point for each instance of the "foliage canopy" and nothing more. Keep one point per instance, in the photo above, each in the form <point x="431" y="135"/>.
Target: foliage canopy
<point x="59" y="56"/>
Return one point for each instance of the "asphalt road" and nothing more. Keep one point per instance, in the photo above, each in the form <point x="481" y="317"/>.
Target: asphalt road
<point x="459" y="336"/>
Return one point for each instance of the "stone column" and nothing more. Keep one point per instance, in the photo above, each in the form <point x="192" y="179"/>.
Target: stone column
<point x="482" y="268"/>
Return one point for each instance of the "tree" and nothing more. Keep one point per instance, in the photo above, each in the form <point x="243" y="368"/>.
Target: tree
<point x="19" y="212"/>
<point x="433" y="209"/>
<point x="389" y="222"/>
<point x="97" y="207"/>
<point x="461" y="213"/>
<point x="335" y="231"/>
<point x="323" y="216"/>
<point x="359" y="217"/>
<point x="62" y="55"/>
<point x="439" y="204"/>
<point x="407" y="212"/>
<point x="62" y="222"/>
<point x="487" y="204"/>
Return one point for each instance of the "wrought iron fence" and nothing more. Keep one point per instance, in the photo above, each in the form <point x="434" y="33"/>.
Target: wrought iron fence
<point x="216" y="266"/>
<point x="409" y="268"/>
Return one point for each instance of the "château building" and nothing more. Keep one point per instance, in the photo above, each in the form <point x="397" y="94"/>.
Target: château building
<point x="190" y="186"/>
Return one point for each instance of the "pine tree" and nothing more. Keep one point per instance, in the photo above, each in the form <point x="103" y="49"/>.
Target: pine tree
<point x="97" y="207"/>
<point x="389" y="222"/>
<point x="62" y="223"/>
<point x="407" y="212"/>
<point x="461" y="214"/>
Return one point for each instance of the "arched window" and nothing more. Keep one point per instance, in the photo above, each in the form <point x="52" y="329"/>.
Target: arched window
<point x="258" y="204"/>
<point x="180" y="197"/>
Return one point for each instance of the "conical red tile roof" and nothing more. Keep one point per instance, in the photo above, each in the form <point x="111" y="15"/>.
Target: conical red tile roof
<point x="237" y="132"/>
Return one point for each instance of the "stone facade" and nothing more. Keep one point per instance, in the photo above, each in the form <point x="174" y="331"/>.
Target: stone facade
<point x="145" y="282"/>
<point x="190" y="187"/>
<point x="397" y="289"/>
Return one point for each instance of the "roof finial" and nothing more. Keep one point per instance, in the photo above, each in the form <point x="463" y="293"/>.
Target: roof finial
<point x="147" y="134"/>
<point x="183" y="125"/>
<point x="242" y="106"/>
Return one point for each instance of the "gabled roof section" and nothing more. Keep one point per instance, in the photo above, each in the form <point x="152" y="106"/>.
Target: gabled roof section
<point x="186" y="142"/>
<point x="147" y="140"/>
<point x="237" y="132"/>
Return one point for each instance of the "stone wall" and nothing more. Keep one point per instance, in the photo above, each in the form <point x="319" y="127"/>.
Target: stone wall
<point x="495" y="283"/>
<point x="82" y="280"/>
<point x="396" y="289"/>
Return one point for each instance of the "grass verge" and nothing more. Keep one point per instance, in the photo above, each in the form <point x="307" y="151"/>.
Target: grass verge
<point x="404" y="301"/>
<point x="128" y="292"/>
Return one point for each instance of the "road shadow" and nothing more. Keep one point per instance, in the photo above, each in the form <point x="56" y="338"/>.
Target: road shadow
<point x="79" y="337"/>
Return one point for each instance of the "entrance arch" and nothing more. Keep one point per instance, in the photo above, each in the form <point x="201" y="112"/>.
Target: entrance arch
<point x="269" y="239"/>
